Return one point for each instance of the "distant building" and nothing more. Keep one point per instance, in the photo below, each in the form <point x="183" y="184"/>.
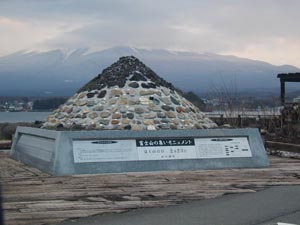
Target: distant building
<point x="286" y="77"/>
<point x="297" y="99"/>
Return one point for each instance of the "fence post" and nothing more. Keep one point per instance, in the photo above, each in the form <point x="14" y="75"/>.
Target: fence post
<point x="1" y="209"/>
<point x="221" y="119"/>
<point x="239" y="121"/>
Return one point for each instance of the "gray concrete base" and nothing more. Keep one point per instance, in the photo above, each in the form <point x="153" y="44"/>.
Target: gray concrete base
<point x="52" y="151"/>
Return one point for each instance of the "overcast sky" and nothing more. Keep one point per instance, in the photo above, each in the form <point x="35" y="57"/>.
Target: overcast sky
<point x="259" y="29"/>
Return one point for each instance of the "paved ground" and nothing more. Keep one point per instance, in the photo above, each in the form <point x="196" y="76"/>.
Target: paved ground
<point x="32" y="197"/>
<point x="267" y="207"/>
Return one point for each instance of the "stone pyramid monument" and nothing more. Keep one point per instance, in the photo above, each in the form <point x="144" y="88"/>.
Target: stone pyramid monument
<point x="128" y="96"/>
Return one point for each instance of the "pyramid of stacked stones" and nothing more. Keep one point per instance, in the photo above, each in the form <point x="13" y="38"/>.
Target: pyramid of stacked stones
<point x="128" y="96"/>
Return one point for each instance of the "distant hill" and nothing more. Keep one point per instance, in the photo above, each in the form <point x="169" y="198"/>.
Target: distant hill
<point x="61" y="73"/>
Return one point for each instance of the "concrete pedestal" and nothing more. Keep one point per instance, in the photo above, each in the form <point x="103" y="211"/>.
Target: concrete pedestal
<point x="110" y="151"/>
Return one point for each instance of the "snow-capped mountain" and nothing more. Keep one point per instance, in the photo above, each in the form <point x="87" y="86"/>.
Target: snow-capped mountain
<point x="60" y="72"/>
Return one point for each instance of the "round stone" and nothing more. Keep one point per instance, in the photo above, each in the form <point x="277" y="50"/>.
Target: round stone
<point x="112" y="101"/>
<point x="165" y="121"/>
<point x="130" y="115"/>
<point x="76" y="110"/>
<point x="164" y="126"/>
<point x="116" y="92"/>
<point x="148" y="85"/>
<point x="170" y="114"/>
<point x="151" y="127"/>
<point x="134" y="85"/>
<point x="123" y="109"/>
<point x="60" y="126"/>
<point x="127" y="127"/>
<point x="166" y="91"/>
<point x="187" y="109"/>
<point x="198" y="126"/>
<point x="154" y="100"/>
<point x="136" y="127"/>
<point x="144" y="100"/>
<point x="133" y="101"/>
<point x="51" y="116"/>
<point x="78" y="115"/>
<point x="92" y="126"/>
<point x="173" y="126"/>
<point x="69" y="110"/>
<point x="81" y="95"/>
<point x="123" y="101"/>
<point x="150" y="116"/>
<point x="156" y="109"/>
<point x="114" y="109"/>
<point x="148" y="122"/>
<point x="76" y="126"/>
<point x="131" y="92"/>
<point x="161" y="115"/>
<point x="139" y="110"/>
<point x="147" y="92"/>
<point x="166" y="100"/>
<point x="90" y="103"/>
<point x="186" y="122"/>
<point x="116" y="116"/>
<point x="90" y="95"/>
<point x="131" y="109"/>
<point x="192" y="109"/>
<point x="115" y="122"/>
<point x="85" y="111"/>
<point x="174" y="101"/>
<point x="151" y="106"/>
<point x="167" y="108"/>
<point x="104" y="122"/>
<point x="179" y="109"/>
<point x="54" y="121"/>
<point x="200" y="116"/>
<point x="156" y="121"/>
<point x="105" y="114"/>
<point x="60" y="115"/>
<point x="125" y="121"/>
<point x="64" y="109"/>
<point x="93" y="115"/>
<point x="137" y="77"/>
<point x="81" y="103"/>
<point x="98" y="108"/>
<point x="175" y="121"/>
<point x="101" y="94"/>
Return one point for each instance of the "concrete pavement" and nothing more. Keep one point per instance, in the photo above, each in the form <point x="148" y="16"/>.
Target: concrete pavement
<point x="267" y="207"/>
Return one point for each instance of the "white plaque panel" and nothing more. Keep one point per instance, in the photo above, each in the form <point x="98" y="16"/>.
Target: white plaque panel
<point x="166" y="149"/>
<point x="104" y="151"/>
<point x="227" y="147"/>
<point x="160" y="149"/>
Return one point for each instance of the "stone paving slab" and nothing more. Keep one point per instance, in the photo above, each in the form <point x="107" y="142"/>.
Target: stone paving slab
<point x="267" y="207"/>
<point x="33" y="197"/>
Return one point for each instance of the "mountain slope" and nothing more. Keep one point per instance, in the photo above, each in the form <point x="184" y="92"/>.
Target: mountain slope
<point x="59" y="72"/>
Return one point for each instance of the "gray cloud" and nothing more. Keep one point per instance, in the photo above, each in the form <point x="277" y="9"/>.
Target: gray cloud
<point x="221" y="26"/>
